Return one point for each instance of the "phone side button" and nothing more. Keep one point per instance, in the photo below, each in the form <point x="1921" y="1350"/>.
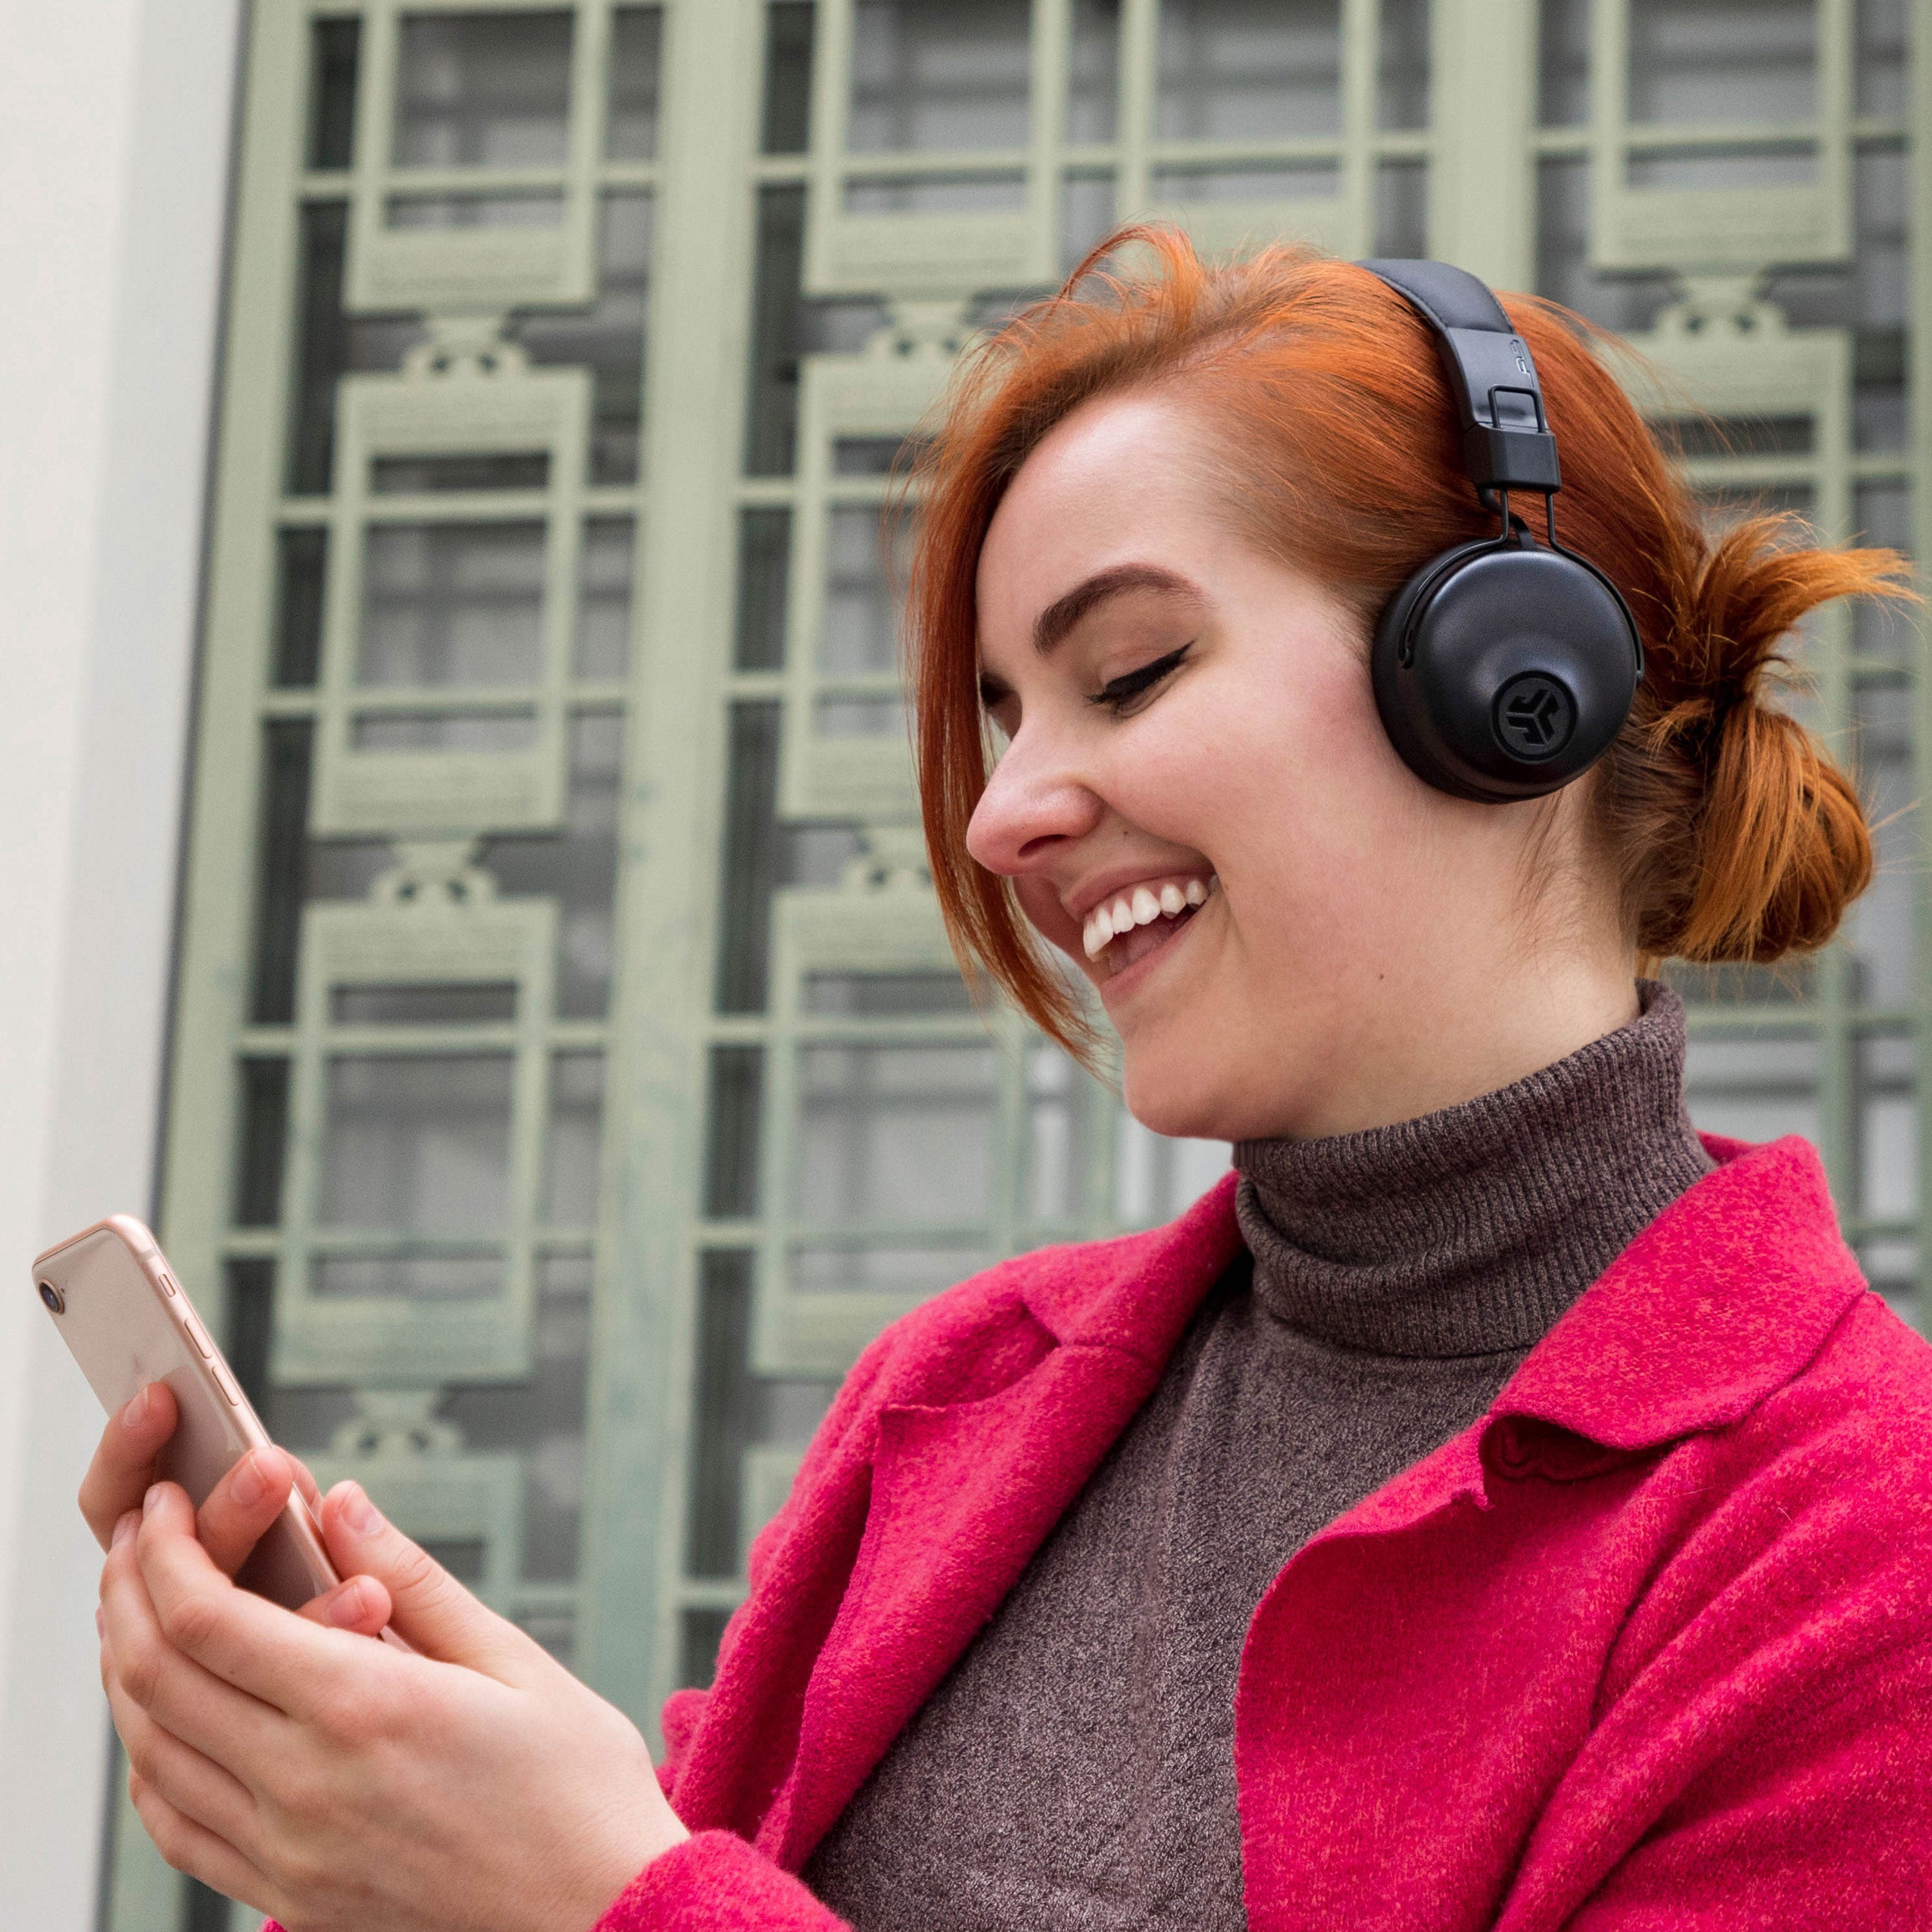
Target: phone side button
<point x="228" y="1388"/>
<point x="199" y="1336"/>
<point x="168" y="1283"/>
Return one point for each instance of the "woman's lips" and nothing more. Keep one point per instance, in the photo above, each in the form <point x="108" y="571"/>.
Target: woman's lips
<point x="1148" y="903"/>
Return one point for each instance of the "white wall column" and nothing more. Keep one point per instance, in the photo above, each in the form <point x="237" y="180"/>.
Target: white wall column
<point x="114" y="125"/>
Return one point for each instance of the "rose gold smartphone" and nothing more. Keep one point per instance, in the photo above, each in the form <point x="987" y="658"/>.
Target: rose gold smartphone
<point x="128" y="1322"/>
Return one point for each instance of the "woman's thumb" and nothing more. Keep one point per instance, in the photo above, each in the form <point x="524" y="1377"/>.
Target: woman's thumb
<point x="430" y="1610"/>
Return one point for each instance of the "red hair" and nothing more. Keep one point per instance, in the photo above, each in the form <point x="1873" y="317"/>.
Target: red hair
<point x="1734" y="835"/>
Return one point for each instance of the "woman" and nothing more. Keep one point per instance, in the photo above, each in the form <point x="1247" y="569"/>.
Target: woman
<point x="1497" y="1507"/>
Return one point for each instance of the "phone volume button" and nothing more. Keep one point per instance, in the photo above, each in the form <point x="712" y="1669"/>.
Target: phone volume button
<point x="168" y="1283"/>
<point x="228" y="1388"/>
<point x="198" y="1336"/>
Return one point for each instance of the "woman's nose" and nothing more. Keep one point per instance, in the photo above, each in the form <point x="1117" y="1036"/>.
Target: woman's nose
<point x="1031" y="805"/>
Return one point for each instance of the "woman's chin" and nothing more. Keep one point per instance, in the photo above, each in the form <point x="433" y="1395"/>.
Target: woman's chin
<point x="1172" y="1092"/>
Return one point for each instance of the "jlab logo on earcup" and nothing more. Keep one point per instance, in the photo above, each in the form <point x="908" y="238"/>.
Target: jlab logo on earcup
<point x="1534" y="717"/>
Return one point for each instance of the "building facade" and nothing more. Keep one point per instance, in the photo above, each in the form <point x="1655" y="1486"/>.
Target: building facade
<point x="568" y="1074"/>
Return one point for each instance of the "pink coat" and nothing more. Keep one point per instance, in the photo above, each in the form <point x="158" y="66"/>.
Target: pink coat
<point x="1650" y="1645"/>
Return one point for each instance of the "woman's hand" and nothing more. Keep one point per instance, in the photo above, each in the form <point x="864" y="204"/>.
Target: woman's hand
<point x="338" y="1784"/>
<point x="127" y="1462"/>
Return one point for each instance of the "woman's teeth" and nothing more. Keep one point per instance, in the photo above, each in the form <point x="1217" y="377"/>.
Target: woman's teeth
<point x="1142" y="907"/>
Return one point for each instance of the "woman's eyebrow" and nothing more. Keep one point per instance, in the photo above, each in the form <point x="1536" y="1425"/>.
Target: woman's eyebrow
<point x="1059" y="616"/>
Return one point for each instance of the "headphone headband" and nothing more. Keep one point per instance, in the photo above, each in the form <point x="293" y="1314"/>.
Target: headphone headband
<point x="1507" y="444"/>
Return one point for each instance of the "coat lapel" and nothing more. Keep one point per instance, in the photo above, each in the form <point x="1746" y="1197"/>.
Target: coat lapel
<point x="1724" y="1297"/>
<point x="963" y="1494"/>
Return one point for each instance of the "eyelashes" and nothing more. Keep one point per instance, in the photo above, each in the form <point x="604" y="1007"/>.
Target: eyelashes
<point x="1118" y="694"/>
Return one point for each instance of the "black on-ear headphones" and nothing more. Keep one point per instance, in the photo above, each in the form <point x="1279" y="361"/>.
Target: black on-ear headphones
<point x="1503" y="668"/>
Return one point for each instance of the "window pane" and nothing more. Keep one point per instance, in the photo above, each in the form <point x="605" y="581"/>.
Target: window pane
<point x="860" y="630"/>
<point x="1563" y="64"/>
<point x="1086" y="216"/>
<point x="938" y="73"/>
<point x="1093" y="78"/>
<point x="1156" y="1177"/>
<point x="1061" y="1120"/>
<point x="1402" y="208"/>
<point x="1882" y="921"/>
<point x="886" y="996"/>
<point x="483" y="90"/>
<point x="749" y="861"/>
<point x="473" y="1003"/>
<point x="1401" y="95"/>
<point x="764" y="578"/>
<point x="1882" y="48"/>
<point x="787" y="121"/>
<point x="1263" y="181"/>
<point x="301" y="559"/>
<point x="452" y="604"/>
<point x="1723" y="60"/>
<point x="577" y="868"/>
<point x="630" y="129"/>
<point x="731" y="1151"/>
<point x="1248" y="69"/>
<point x="281" y="875"/>
<point x="1737" y="164"/>
<point x="1754" y="1089"/>
<point x="417" y="1144"/>
<point x="603" y="598"/>
<point x="334" y="48"/>
<point x="262" y="1142"/>
<point x="1885" y="1119"/>
<point x="1882" y="517"/>
<point x="894" y="1133"/>
<point x="609" y="336"/>
<point x="572" y="1149"/>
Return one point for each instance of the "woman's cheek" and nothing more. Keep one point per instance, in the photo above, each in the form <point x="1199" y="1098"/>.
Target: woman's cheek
<point x="1044" y="912"/>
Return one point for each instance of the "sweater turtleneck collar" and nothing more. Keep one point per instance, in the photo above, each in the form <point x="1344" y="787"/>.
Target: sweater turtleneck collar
<point x="1469" y="1231"/>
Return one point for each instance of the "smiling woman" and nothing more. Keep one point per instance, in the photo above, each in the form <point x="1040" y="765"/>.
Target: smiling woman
<point x="1495" y="1505"/>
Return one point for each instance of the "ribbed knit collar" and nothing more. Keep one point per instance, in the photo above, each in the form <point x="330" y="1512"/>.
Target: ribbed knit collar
<point x="1469" y="1231"/>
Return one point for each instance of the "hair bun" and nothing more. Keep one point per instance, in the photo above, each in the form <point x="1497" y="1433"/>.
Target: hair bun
<point x="1775" y="845"/>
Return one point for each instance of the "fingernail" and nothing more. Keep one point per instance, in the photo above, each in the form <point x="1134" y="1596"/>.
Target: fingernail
<point x="152" y="1502"/>
<point x="359" y="1513"/>
<point x="127" y="1526"/>
<point x="248" y="1483"/>
<point x="345" y="1608"/>
<point x="136" y="1413"/>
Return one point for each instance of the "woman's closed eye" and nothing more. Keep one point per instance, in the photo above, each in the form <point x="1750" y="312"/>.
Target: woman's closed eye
<point x="1118" y="694"/>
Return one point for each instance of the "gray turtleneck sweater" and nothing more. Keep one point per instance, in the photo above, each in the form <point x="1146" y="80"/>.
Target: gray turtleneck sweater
<point x="1076" y="1768"/>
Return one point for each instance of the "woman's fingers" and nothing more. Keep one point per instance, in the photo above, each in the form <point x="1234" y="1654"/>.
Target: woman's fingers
<point x="195" y="1786"/>
<point x="360" y="1605"/>
<point x="196" y="1850"/>
<point x="194" y="1704"/>
<point x="263" y="1658"/>
<point x="125" y="1460"/>
<point x="430" y="1610"/>
<point x="242" y="1505"/>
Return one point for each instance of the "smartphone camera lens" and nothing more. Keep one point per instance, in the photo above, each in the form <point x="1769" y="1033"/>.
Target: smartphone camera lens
<point x="53" y="1297"/>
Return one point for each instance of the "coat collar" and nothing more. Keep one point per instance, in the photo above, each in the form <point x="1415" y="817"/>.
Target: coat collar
<point x="1722" y="1300"/>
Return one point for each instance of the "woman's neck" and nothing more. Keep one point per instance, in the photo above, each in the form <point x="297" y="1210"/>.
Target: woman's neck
<point x="1469" y="1230"/>
<point x="1473" y="1034"/>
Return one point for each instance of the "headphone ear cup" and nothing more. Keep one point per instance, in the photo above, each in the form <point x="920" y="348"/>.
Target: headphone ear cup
<point x="1504" y="671"/>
